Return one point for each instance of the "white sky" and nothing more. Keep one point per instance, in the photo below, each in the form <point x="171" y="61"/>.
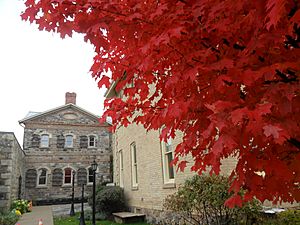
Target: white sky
<point x="37" y="68"/>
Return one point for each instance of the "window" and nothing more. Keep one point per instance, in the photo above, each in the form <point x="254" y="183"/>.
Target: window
<point x="42" y="177"/>
<point x="134" y="165"/>
<point x="91" y="175"/>
<point x="121" y="168"/>
<point x="69" y="141"/>
<point x="44" y="141"/>
<point x="168" y="169"/>
<point x="92" y="141"/>
<point x="68" y="176"/>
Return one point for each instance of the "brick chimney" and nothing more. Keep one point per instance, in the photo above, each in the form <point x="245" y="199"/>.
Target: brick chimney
<point x="71" y="98"/>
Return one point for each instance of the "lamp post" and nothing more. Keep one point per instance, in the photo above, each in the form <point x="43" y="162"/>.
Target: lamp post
<point x="81" y="221"/>
<point x="94" y="168"/>
<point x="72" y="212"/>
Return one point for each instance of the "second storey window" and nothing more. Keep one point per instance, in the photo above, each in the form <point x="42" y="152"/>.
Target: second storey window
<point x="44" y="141"/>
<point x="69" y="141"/>
<point x="42" y="177"/>
<point x="134" y="165"/>
<point x="92" y="141"/>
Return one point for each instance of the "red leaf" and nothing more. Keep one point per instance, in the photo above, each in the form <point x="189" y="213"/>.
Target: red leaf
<point x="104" y="81"/>
<point x="234" y="201"/>
<point x="181" y="166"/>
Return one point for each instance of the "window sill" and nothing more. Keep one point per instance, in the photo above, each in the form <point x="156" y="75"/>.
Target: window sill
<point x="135" y="188"/>
<point x="67" y="185"/>
<point x="169" y="185"/>
<point x="41" y="186"/>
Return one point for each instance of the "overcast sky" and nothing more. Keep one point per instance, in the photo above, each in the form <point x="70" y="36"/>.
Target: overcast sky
<point x="37" y="68"/>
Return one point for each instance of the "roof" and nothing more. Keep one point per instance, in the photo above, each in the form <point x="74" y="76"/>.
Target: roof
<point x="110" y="92"/>
<point x="34" y="115"/>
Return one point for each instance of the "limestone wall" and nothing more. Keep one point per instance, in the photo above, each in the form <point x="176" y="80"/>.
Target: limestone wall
<point x="152" y="189"/>
<point x="55" y="157"/>
<point x="11" y="170"/>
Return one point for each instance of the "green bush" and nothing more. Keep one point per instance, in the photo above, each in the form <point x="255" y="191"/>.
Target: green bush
<point x="8" y="218"/>
<point x="108" y="200"/>
<point x="201" y="201"/>
<point x="289" y="217"/>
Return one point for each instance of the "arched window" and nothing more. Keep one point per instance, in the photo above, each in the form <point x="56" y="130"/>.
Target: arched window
<point x="68" y="176"/>
<point x="69" y="141"/>
<point x="44" y="143"/>
<point x="42" y="177"/>
<point x="92" y="141"/>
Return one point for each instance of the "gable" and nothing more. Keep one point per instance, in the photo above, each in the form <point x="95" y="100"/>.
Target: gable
<point x="67" y="114"/>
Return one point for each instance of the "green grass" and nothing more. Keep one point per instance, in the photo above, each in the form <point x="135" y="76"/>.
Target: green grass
<point x="75" y="221"/>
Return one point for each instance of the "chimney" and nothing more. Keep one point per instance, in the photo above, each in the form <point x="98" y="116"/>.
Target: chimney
<point x="71" y="98"/>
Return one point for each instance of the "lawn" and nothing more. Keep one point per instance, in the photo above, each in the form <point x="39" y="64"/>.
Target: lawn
<point x="75" y="221"/>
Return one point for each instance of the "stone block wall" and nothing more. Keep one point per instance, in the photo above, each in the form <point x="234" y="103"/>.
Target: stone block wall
<point x="11" y="170"/>
<point x="53" y="158"/>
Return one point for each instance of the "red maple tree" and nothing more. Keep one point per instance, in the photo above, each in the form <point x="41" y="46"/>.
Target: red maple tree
<point x="224" y="72"/>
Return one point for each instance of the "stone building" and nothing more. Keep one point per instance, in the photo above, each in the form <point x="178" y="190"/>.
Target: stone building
<point x="142" y="168"/>
<point x="58" y="142"/>
<point x="11" y="169"/>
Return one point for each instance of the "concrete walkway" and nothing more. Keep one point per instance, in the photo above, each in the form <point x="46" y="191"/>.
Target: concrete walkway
<point x="38" y="212"/>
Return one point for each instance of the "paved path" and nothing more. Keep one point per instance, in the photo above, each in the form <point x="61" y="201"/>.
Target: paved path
<point x="38" y="212"/>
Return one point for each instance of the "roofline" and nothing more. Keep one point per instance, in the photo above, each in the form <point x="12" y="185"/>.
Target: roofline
<point x="109" y="91"/>
<point x="9" y="132"/>
<point x="56" y="109"/>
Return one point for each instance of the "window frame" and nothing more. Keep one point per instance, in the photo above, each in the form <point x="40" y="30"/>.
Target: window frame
<point x="38" y="184"/>
<point x="90" y="175"/>
<point x="167" y="175"/>
<point x="134" y="166"/>
<point x="66" y="141"/>
<point x="42" y="141"/>
<point x="71" y="176"/>
<point x="121" y="168"/>
<point x="89" y="141"/>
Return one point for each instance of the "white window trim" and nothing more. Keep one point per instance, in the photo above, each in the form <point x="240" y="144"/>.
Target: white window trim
<point x="72" y="169"/>
<point x="38" y="177"/>
<point x="48" y="143"/>
<point x="121" y="168"/>
<point x="73" y="137"/>
<point x="95" y="141"/>
<point x="134" y="173"/>
<point x="88" y="175"/>
<point x="166" y="172"/>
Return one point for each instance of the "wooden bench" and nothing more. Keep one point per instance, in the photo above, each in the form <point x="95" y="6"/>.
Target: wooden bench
<point x="128" y="217"/>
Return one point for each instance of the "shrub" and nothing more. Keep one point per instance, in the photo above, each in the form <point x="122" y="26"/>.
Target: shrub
<point x="289" y="217"/>
<point x="109" y="200"/>
<point x="8" y="218"/>
<point x="201" y="201"/>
